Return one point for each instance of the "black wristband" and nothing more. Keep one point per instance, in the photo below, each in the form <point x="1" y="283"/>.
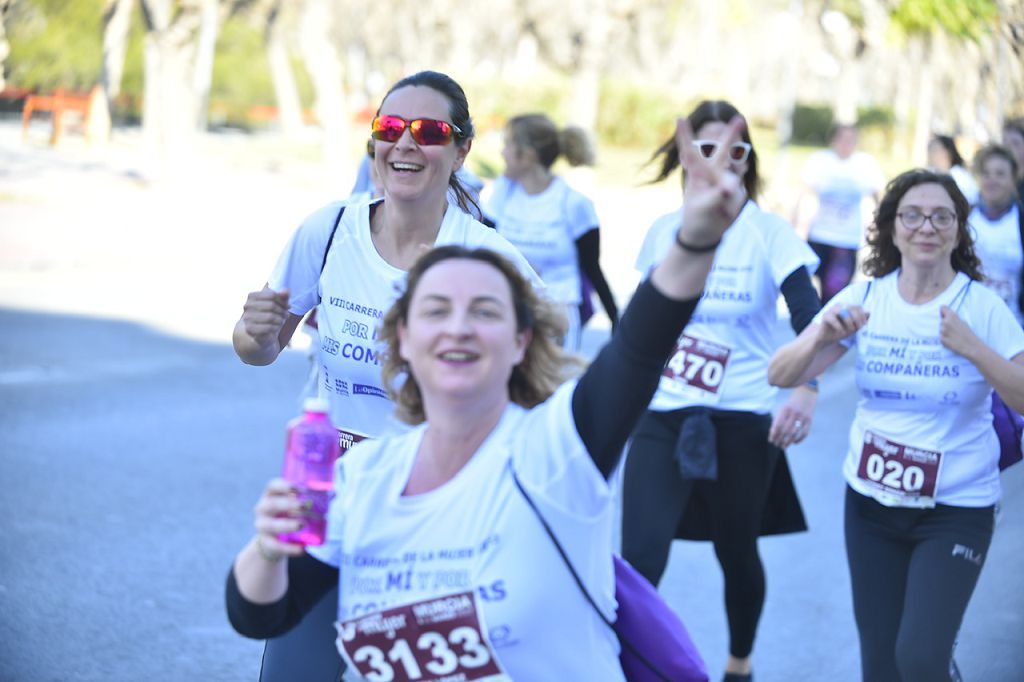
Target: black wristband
<point x="696" y="249"/>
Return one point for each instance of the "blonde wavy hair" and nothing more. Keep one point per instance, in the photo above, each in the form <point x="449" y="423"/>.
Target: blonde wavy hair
<point x="544" y="366"/>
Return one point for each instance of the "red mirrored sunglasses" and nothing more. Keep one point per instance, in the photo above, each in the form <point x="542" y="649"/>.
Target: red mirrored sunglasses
<point x="426" y="131"/>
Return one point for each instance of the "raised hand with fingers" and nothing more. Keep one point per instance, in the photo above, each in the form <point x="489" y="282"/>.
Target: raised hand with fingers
<point x="714" y="194"/>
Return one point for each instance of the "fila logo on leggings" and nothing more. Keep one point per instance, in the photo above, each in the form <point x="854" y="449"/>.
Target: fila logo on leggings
<point x="967" y="553"/>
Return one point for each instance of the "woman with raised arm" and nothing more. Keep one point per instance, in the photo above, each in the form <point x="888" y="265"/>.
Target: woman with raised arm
<point x="706" y="461"/>
<point x="443" y="566"/>
<point x="347" y="260"/>
<point x="921" y="462"/>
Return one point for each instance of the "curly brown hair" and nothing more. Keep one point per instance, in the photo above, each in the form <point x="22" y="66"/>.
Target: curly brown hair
<point x="884" y="257"/>
<point x="543" y="368"/>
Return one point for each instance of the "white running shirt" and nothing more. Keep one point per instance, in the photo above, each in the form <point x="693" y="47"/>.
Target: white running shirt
<point x="997" y="245"/>
<point x="916" y="392"/>
<point x="736" y="316"/>
<point x="356" y="289"/>
<point x="476" y="534"/>
<point x="545" y="227"/>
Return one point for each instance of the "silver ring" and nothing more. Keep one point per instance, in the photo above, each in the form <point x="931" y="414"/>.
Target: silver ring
<point x="797" y="423"/>
<point x="843" y="314"/>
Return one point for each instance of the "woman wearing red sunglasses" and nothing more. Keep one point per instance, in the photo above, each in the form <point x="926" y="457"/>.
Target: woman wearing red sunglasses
<point x="348" y="262"/>
<point x="706" y="460"/>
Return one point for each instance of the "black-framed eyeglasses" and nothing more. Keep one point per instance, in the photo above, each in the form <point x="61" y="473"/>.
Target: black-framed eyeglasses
<point x="942" y="219"/>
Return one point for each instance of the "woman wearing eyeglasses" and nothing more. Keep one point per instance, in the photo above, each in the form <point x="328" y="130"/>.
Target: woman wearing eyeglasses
<point x="551" y="223"/>
<point x="347" y="264"/>
<point x="999" y="226"/>
<point x="922" y="462"/>
<point x="706" y="460"/>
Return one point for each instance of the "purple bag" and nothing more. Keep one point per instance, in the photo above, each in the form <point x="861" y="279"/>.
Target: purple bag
<point x="655" y="643"/>
<point x="1009" y="428"/>
<point x="655" y="646"/>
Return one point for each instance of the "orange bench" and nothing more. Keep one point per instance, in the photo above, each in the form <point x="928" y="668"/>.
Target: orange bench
<point x="59" y="104"/>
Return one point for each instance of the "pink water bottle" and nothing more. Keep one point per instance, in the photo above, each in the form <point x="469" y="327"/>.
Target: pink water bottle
<point x="311" y="450"/>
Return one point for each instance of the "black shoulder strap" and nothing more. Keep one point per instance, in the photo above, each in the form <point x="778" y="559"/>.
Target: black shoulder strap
<point x="579" y="583"/>
<point x="330" y="240"/>
<point x="327" y="250"/>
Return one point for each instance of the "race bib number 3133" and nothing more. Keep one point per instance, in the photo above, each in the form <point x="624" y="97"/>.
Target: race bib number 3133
<point x="436" y="640"/>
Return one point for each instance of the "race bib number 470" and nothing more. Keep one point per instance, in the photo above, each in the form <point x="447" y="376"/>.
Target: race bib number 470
<point x="697" y="367"/>
<point x="901" y="474"/>
<point x="436" y="640"/>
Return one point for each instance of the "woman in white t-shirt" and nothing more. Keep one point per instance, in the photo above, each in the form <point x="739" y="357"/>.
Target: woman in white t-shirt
<point x="998" y="227"/>
<point x="552" y="224"/>
<point x="705" y="461"/>
<point x="840" y="177"/>
<point x="922" y="460"/>
<point x="944" y="157"/>
<point x="446" y="572"/>
<point x="347" y="260"/>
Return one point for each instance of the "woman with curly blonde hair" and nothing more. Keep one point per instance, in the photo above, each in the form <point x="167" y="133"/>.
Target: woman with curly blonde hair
<point x="433" y="536"/>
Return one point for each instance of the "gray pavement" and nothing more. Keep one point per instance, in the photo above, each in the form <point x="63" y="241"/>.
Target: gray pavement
<point x="134" y="444"/>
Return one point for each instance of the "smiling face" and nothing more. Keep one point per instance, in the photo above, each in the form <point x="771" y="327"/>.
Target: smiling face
<point x="409" y="171"/>
<point x="926" y="246"/>
<point x="460" y="339"/>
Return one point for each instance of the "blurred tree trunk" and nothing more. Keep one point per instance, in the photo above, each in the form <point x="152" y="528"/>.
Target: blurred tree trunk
<point x="324" y="66"/>
<point x="919" y="50"/>
<point x="174" y="93"/>
<point x="5" y="47"/>
<point x="209" y="27"/>
<point x="117" y="21"/>
<point x="289" y="107"/>
<point x="592" y="45"/>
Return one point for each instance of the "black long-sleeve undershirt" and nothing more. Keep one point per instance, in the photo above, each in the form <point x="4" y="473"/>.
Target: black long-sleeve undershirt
<point x="309" y="579"/>
<point x="801" y="299"/>
<point x="620" y="382"/>
<point x="588" y="250"/>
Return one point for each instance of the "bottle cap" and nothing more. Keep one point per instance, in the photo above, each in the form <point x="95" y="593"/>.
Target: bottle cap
<point x="316" y="404"/>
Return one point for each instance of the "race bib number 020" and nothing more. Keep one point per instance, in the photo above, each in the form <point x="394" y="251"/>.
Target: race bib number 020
<point x="435" y="640"/>
<point x="900" y="474"/>
<point x="697" y="368"/>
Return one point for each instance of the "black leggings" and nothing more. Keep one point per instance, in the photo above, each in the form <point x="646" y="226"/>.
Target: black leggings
<point x="655" y="497"/>
<point x="912" y="573"/>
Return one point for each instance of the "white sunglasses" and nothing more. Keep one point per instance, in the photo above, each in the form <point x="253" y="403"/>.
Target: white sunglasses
<point x="738" y="151"/>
